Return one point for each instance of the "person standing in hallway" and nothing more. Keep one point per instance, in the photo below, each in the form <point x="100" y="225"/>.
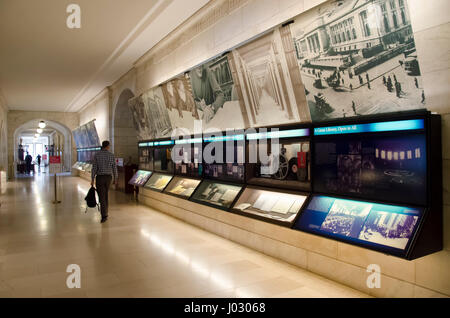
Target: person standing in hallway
<point x="28" y="160"/>
<point x="104" y="169"/>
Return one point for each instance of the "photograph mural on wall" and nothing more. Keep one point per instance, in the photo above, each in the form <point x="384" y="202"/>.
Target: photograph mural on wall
<point x="84" y="138"/>
<point x="150" y="115"/>
<point x="94" y="140"/>
<point x="270" y="80"/>
<point x="180" y="103"/>
<point x="358" y="57"/>
<point x="216" y="100"/>
<point x="76" y="137"/>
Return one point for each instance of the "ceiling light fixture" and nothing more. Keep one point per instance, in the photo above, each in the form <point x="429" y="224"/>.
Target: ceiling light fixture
<point x="39" y="130"/>
<point x="42" y="124"/>
<point x="36" y="135"/>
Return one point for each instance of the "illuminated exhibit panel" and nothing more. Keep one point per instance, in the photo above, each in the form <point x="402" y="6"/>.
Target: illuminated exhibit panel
<point x="145" y="155"/>
<point x="87" y="154"/>
<point x="382" y="160"/>
<point x="158" y="181"/>
<point x="182" y="187"/>
<point x="216" y="194"/>
<point x="140" y="178"/>
<point x="282" y="158"/>
<point x="277" y="207"/>
<point x="228" y="154"/>
<point x="188" y="157"/>
<point x="162" y="156"/>
<point x="382" y="227"/>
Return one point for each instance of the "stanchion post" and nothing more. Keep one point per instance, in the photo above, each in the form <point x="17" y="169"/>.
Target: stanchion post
<point x="56" y="192"/>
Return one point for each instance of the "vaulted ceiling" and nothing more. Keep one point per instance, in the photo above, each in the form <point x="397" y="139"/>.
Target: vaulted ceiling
<point x="45" y="66"/>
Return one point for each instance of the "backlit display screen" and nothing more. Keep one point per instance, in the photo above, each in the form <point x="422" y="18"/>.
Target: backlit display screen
<point x="380" y="226"/>
<point x="387" y="168"/>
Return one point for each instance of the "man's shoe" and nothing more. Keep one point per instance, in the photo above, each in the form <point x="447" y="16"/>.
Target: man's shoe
<point x="104" y="220"/>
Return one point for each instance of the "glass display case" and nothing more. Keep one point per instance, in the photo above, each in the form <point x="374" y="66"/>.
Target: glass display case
<point x="216" y="194"/>
<point x="188" y="159"/>
<point x="382" y="227"/>
<point x="272" y="206"/>
<point x="162" y="156"/>
<point x="182" y="187"/>
<point x="88" y="167"/>
<point x="373" y="160"/>
<point x="279" y="158"/>
<point x="158" y="181"/>
<point x="146" y="156"/>
<point x="230" y="163"/>
<point x="140" y="178"/>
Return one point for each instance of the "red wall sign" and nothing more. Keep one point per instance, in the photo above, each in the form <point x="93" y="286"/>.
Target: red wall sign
<point x="55" y="159"/>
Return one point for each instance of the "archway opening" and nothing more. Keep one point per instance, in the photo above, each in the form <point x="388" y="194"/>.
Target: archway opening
<point x="54" y="140"/>
<point x="124" y="133"/>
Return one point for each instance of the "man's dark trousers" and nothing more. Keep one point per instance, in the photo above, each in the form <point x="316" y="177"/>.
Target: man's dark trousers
<point x="103" y="183"/>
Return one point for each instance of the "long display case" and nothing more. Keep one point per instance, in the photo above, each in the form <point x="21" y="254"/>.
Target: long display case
<point x="372" y="181"/>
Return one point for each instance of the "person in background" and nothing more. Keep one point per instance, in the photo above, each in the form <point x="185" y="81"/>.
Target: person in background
<point x="28" y="160"/>
<point x="38" y="159"/>
<point x="104" y="169"/>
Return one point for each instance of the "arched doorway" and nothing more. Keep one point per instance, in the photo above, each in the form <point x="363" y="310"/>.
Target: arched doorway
<point x="123" y="132"/>
<point x="57" y="133"/>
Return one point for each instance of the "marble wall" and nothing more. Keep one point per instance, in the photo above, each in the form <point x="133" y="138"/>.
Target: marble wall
<point x="99" y="109"/>
<point x="3" y="135"/>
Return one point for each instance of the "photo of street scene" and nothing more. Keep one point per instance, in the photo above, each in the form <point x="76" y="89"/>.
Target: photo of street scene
<point x="346" y="218"/>
<point x="358" y="57"/>
<point x="390" y="229"/>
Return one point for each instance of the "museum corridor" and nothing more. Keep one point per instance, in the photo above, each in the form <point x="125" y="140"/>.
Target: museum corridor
<point x="139" y="252"/>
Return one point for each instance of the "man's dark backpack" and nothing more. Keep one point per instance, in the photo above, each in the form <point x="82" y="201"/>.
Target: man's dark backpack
<point x="90" y="198"/>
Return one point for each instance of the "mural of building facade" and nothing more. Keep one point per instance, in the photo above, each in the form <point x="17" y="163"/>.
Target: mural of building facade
<point x="358" y="57"/>
<point x="344" y="58"/>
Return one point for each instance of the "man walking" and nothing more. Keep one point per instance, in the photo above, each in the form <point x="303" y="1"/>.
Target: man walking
<point x="103" y="170"/>
<point x="28" y="160"/>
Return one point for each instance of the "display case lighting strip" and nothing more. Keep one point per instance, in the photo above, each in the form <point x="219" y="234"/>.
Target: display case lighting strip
<point x="399" y="125"/>
<point x="292" y="133"/>
<point x="88" y="149"/>
<point x="188" y="141"/>
<point x="164" y="143"/>
<point x="223" y="138"/>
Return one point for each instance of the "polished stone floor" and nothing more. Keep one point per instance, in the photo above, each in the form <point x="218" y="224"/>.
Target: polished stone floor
<point x="138" y="252"/>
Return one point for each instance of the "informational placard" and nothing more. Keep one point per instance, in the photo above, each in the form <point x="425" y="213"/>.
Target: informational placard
<point x="119" y="162"/>
<point x="55" y="164"/>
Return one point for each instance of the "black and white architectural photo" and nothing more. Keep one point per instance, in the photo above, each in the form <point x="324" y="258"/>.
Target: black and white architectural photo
<point x="358" y="57"/>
